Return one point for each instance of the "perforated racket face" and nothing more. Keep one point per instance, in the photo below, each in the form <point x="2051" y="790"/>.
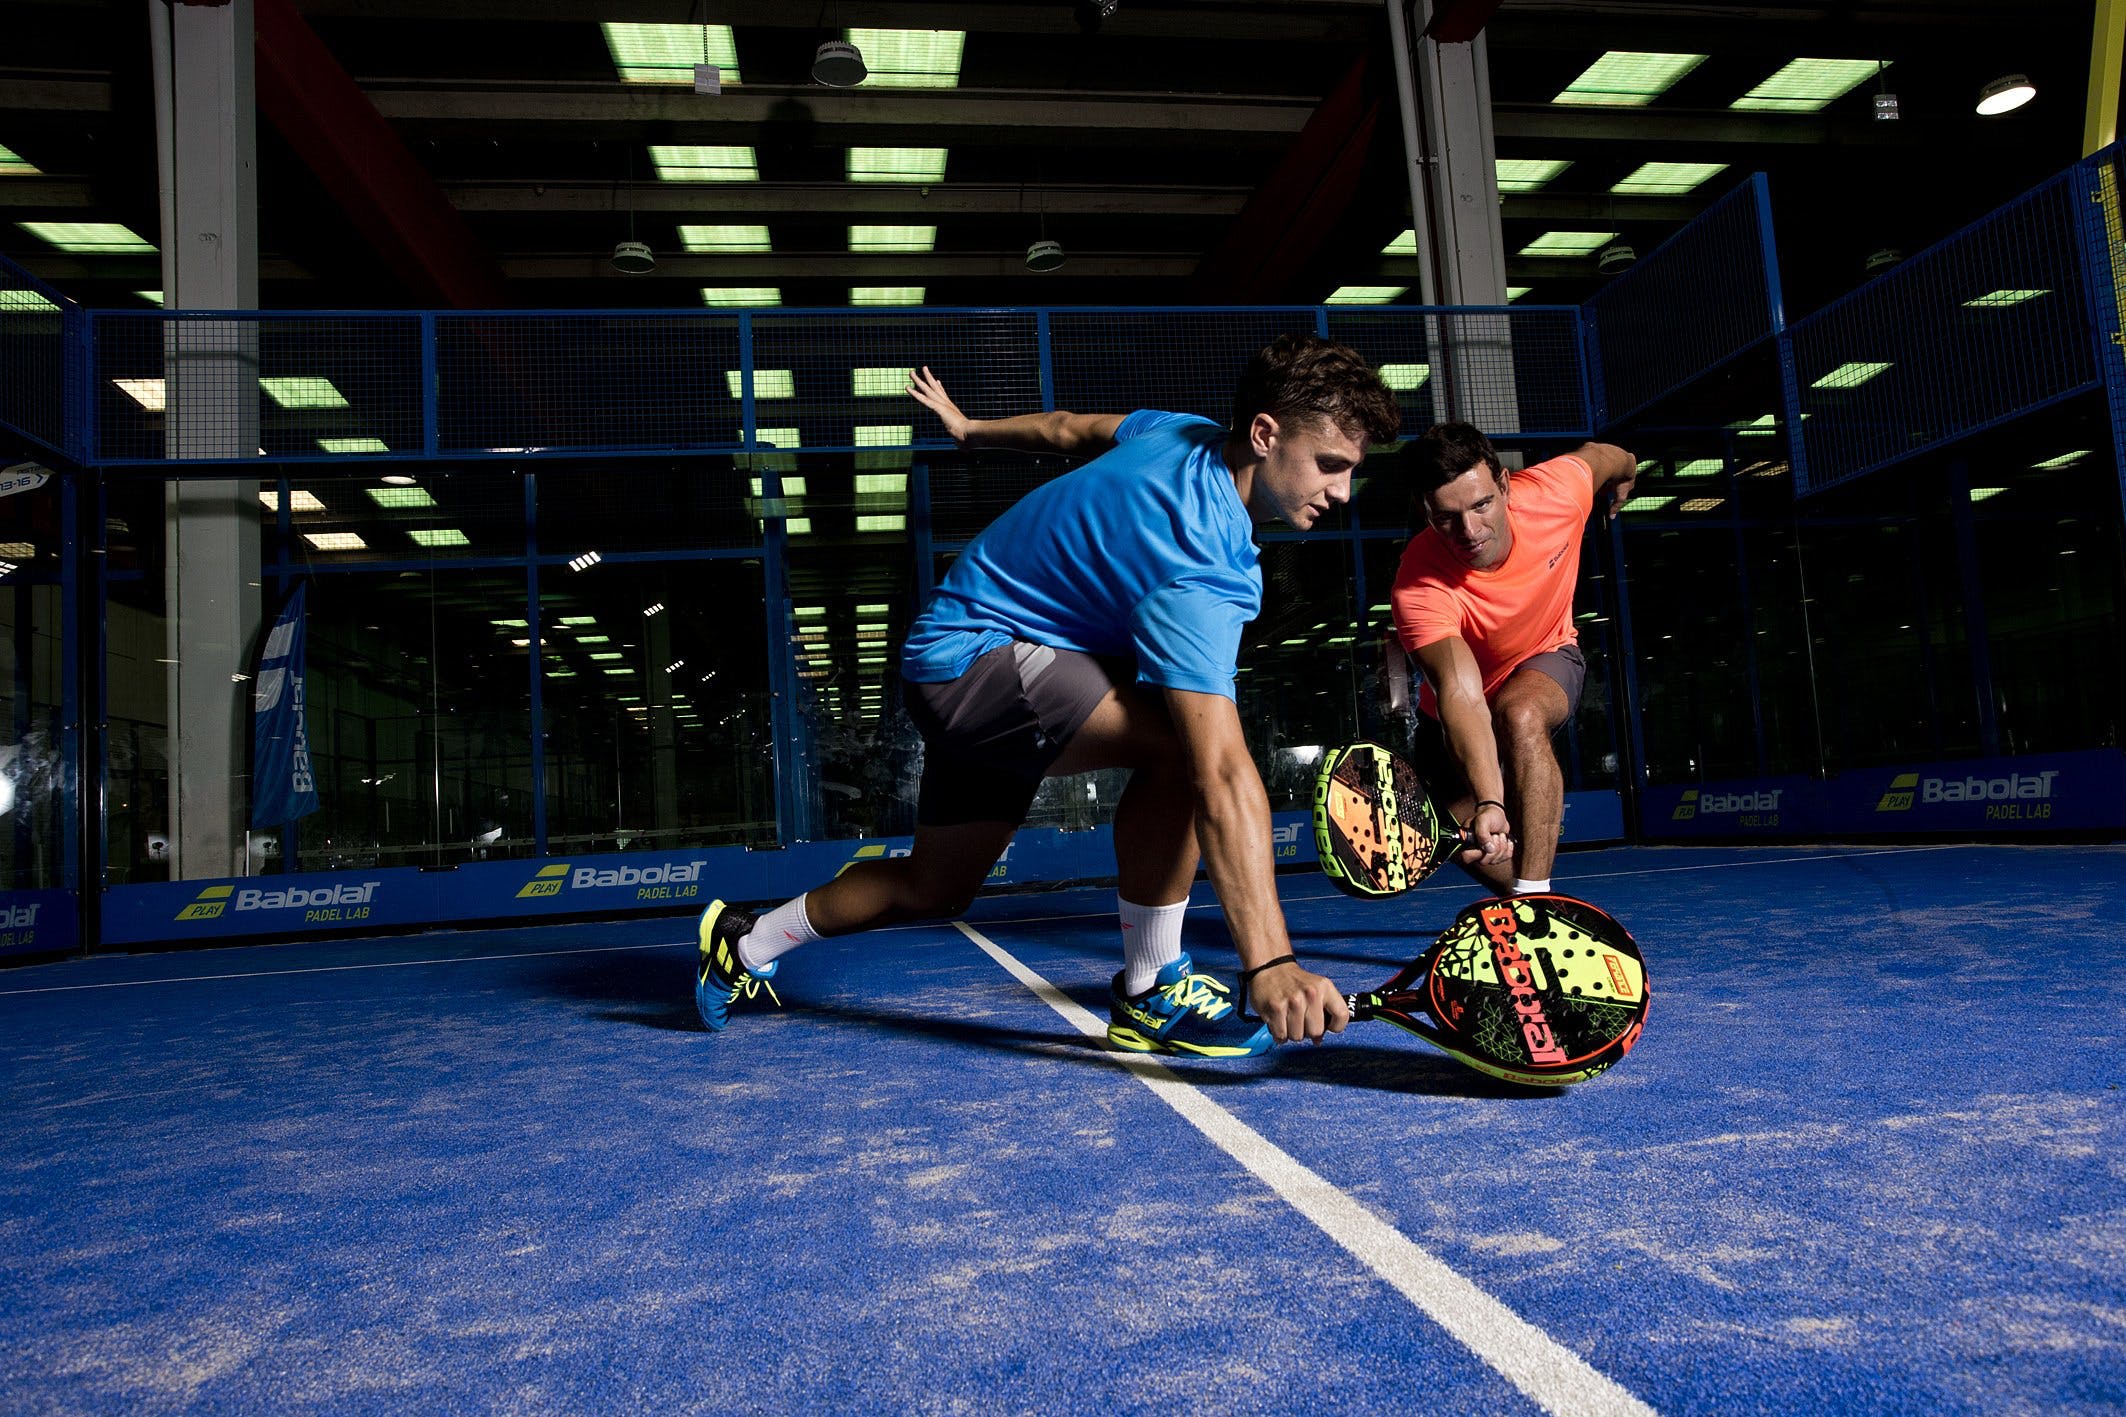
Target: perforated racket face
<point x="1375" y="828"/>
<point x="1542" y="989"/>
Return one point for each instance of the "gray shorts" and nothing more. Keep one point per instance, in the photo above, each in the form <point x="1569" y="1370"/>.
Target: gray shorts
<point x="1434" y="759"/>
<point x="990" y="736"/>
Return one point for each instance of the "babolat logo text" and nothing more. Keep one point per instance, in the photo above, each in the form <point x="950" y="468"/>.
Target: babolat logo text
<point x="1714" y="803"/>
<point x="2016" y="786"/>
<point x="297" y="898"/>
<point x="19" y="917"/>
<point x="670" y="874"/>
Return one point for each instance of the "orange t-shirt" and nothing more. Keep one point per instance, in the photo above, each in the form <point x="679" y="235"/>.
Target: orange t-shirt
<point x="1521" y="607"/>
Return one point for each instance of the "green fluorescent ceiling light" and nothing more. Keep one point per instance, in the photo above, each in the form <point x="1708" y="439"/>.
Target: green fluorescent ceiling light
<point x="1517" y="174"/>
<point x="872" y="608"/>
<point x="895" y="522"/>
<point x="718" y="239"/>
<point x="299" y="500"/>
<point x="607" y="654"/>
<point x="578" y="620"/>
<point x="792" y="487"/>
<point x="878" y="383"/>
<point x="1699" y="467"/>
<point x="12" y="165"/>
<point x="1850" y="376"/>
<point x="884" y="435"/>
<point x="594" y="639"/>
<point x="1649" y="504"/>
<point x="1659" y="179"/>
<point x="353" y="445"/>
<point x="779" y="440"/>
<point x="741" y="295"/>
<point x="439" y="536"/>
<point x="1364" y="294"/>
<point x="1515" y="292"/>
<point x="24" y="302"/>
<point x="2063" y="460"/>
<point x="511" y="624"/>
<point x="1625" y="78"/>
<point x="893" y="238"/>
<point x="87" y="238"/>
<point x="1404" y="377"/>
<point x="153" y="297"/>
<point x="667" y="54"/>
<point x="886" y="295"/>
<point x="679" y="163"/>
<point x="1568" y="243"/>
<point x="910" y="59"/>
<point x="881" y="484"/>
<point x="303" y="391"/>
<point x="335" y="541"/>
<point x="1702" y="504"/>
<point x="798" y="526"/>
<point x="1806" y="85"/>
<point x="1994" y="300"/>
<point x="767" y="384"/>
<point x="896" y="164"/>
<point x="1985" y="494"/>
<point x="1403" y="245"/>
<point x="400" y="497"/>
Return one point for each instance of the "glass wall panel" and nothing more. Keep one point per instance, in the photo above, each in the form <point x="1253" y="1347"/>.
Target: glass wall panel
<point x="655" y="688"/>
<point x="419" y="720"/>
<point x="1302" y="676"/>
<point x="31" y="747"/>
<point x="136" y="686"/>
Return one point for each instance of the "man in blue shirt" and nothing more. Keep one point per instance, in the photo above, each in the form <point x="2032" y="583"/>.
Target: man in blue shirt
<point x="1095" y="625"/>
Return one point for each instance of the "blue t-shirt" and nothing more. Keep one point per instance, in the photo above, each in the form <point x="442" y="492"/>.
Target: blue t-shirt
<point x="1145" y="552"/>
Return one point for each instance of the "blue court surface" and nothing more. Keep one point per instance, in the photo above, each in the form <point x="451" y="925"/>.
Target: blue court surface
<point x="1866" y="1158"/>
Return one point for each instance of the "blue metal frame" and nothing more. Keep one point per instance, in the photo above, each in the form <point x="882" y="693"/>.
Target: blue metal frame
<point x="536" y="631"/>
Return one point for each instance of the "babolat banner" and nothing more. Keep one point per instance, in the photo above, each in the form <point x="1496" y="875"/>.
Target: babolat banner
<point x="37" y="922"/>
<point x="282" y="784"/>
<point x="616" y="883"/>
<point x="2084" y="791"/>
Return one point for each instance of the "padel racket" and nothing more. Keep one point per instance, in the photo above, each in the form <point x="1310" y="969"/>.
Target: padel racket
<point x="1377" y="831"/>
<point x="1537" y="989"/>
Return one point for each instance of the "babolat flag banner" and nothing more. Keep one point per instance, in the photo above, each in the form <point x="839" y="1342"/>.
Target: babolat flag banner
<point x="283" y="787"/>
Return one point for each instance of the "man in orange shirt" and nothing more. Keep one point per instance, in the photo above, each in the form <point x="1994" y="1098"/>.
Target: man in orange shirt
<point x="1483" y="599"/>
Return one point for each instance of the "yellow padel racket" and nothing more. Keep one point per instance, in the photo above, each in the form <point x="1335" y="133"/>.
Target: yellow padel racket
<point x="1377" y="831"/>
<point x="1537" y="989"/>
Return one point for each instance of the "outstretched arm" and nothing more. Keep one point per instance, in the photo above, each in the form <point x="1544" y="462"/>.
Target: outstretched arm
<point x="1611" y="467"/>
<point x="1077" y="434"/>
<point x="1467" y="718"/>
<point x="1233" y="831"/>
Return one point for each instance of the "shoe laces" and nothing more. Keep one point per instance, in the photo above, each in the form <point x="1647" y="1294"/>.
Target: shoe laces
<point x="749" y="985"/>
<point x="1200" y="992"/>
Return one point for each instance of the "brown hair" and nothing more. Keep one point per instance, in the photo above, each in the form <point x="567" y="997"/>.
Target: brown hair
<point x="1301" y="377"/>
<point x="1445" y="452"/>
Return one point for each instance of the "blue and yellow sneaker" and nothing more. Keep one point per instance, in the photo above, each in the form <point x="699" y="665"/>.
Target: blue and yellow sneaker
<point x="721" y="978"/>
<point x="1183" y="1012"/>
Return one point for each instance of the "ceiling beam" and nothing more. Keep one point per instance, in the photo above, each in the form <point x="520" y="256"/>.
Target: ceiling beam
<point x="766" y="268"/>
<point x="1264" y="21"/>
<point x="840" y="198"/>
<point x="1000" y="116"/>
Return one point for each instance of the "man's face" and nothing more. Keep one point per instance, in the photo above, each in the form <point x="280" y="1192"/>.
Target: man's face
<point x="1305" y="470"/>
<point x="1469" y="513"/>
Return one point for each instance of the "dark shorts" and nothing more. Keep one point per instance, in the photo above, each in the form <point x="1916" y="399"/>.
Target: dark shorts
<point x="1434" y="759"/>
<point x="990" y="735"/>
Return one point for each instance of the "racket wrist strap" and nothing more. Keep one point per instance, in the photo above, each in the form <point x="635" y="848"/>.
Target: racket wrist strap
<point x="1247" y="980"/>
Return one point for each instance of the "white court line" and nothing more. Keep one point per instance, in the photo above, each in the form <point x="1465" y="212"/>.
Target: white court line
<point x="336" y="968"/>
<point x="1551" y="1374"/>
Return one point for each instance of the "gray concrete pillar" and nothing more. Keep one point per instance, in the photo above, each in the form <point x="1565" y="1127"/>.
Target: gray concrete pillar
<point x="206" y="120"/>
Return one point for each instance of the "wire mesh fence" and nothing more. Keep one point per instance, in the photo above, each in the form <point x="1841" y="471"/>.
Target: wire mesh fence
<point x="1697" y="300"/>
<point x="33" y="356"/>
<point x="1992" y="322"/>
<point x="1507" y="371"/>
<point x="225" y="386"/>
<point x="2101" y="179"/>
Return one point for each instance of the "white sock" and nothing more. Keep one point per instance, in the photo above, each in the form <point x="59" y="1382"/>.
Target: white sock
<point x="778" y="932"/>
<point x="1521" y="887"/>
<point x="1151" y="940"/>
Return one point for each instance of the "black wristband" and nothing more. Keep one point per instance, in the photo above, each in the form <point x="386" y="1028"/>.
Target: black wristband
<point x="1487" y="802"/>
